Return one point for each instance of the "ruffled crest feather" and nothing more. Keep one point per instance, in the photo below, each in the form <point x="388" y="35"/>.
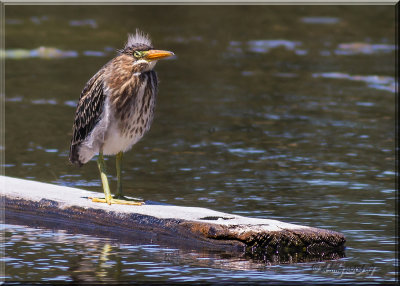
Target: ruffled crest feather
<point x="140" y="38"/>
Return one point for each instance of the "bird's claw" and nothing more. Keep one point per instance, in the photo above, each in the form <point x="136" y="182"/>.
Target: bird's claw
<point x="116" y="201"/>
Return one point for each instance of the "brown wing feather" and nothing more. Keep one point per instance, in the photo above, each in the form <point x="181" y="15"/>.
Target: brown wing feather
<point x="88" y="111"/>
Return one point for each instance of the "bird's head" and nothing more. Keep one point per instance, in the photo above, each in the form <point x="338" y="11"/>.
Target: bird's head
<point x="143" y="54"/>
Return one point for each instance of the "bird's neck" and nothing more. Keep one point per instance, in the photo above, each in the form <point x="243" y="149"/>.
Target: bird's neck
<point x="142" y="66"/>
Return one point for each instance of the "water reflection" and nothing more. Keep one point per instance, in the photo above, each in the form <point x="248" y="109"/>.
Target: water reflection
<point x="38" y="20"/>
<point x="363" y="48"/>
<point x="265" y="46"/>
<point x="94" y="53"/>
<point x="87" y="22"/>
<point x="374" y="81"/>
<point x="56" y="255"/>
<point x="48" y="53"/>
<point x="320" y="20"/>
<point x="13" y="21"/>
<point x="42" y="52"/>
<point x="87" y="258"/>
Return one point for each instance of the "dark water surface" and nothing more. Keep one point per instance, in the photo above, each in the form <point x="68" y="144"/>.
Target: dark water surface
<point x="281" y="112"/>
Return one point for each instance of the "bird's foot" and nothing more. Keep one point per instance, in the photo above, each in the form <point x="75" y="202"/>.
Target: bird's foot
<point x="125" y="201"/>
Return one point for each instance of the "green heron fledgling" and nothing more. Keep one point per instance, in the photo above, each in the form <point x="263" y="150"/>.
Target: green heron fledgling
<point x="116" y="108"/>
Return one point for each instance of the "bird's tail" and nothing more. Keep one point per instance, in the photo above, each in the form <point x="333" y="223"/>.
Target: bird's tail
<point x="74" y="155"/>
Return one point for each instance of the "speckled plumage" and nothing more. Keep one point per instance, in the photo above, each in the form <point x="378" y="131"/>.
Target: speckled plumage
<point x="116" y="106"/>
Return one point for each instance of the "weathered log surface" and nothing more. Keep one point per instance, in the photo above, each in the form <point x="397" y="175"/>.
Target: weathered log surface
<point x="193" y="227"/>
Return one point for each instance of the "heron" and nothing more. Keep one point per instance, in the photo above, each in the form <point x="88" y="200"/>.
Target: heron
<point x="115" y="110"/>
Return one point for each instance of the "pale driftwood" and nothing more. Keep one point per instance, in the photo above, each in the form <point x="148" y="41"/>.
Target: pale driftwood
<point x="190" y="227"/>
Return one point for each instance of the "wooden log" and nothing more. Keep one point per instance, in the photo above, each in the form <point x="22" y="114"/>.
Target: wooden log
<point x="267" y="240"/>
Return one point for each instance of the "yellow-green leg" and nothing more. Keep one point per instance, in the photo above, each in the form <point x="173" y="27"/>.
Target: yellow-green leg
<point x="119" y="198"/>
<point x="103" y="176"/>
<point x="118" y="162"/>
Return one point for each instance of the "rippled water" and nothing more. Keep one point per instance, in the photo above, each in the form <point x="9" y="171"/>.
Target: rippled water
<point x="78" y="257"/>
<point x="283" y="112"/>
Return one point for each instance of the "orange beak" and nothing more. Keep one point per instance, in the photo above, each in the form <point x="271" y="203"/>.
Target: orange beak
<point x="154" y="55"/>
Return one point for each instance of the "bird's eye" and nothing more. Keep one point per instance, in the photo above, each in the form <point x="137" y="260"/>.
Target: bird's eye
<point x="137" y="54"/>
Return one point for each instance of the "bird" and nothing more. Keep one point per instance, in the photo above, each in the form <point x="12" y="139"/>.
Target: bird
<point x="116" y="108"/>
